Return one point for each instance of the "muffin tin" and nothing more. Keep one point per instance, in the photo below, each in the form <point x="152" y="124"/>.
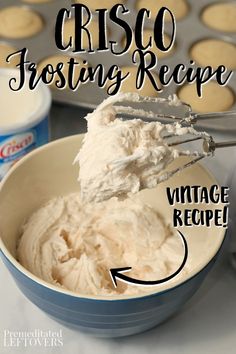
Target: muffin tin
<point x="189" y="31"/>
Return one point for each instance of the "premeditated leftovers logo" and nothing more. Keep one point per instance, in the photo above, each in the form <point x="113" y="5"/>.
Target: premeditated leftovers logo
<point x="34" y="338"/>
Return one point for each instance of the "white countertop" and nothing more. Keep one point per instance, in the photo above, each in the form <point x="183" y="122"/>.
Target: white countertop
<point x="207" y="323"/>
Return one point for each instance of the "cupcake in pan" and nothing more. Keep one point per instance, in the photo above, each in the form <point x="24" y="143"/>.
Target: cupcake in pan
<point x="220" y="16"/>
<point x="215" y="98"/>
<point x="214" y="52"/>
<point x="19" y="22"/>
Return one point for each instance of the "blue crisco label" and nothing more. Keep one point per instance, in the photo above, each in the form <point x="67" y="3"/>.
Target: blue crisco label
<point x="13" y="147"/>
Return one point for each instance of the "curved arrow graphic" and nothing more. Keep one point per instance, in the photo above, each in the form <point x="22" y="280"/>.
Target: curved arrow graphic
<point x="117" y="273"/>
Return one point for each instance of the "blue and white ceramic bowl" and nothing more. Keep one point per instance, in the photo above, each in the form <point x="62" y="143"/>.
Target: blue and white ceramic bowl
<point x="48" y="172"/>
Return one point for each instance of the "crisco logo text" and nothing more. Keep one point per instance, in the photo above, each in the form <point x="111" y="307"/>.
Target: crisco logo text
<point x="16" y="144"/>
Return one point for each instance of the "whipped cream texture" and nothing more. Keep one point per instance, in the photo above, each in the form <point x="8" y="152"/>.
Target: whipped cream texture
<point x="73" y="245"/>
<point x="121" y="156"/>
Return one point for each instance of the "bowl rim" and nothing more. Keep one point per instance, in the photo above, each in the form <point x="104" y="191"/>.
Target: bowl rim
<point x="104" y="298"/>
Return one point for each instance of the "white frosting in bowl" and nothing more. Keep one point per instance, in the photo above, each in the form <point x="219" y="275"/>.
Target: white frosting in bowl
<point x="74" y="246"/>
<point x="51" y="175"/>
